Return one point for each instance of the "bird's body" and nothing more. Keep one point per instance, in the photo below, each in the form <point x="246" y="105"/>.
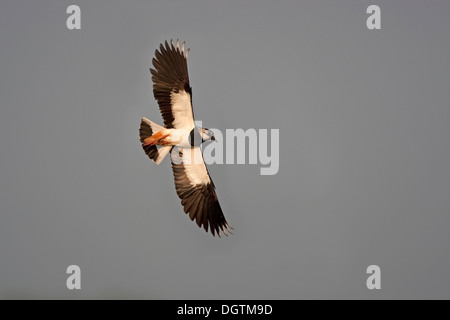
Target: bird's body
<point x="180" y="136"/>
<point x="168" y="137"/>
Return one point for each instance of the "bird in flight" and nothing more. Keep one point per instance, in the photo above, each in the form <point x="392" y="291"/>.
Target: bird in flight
<point x="181" y="138"/>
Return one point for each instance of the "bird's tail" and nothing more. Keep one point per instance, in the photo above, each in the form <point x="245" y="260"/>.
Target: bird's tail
<point x="147" y="129"/>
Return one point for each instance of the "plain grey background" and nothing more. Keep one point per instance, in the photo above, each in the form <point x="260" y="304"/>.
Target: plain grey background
<point x="364" y="150"/>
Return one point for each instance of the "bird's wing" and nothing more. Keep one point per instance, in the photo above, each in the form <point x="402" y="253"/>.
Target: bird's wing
<point x="171" y="86"/>
<point x="197" y="191"/>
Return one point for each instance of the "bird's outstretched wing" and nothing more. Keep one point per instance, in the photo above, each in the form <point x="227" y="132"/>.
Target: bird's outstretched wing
<point x="196" y="190"/>
<point x="171" y="86"/>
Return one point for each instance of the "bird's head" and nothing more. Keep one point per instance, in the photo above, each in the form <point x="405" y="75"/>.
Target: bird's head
<point x="207" y="134"/>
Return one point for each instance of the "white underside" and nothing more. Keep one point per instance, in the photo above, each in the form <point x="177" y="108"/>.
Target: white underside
<point x="178" y="137"/>
<point x="182" y="110"/>
<point x="195" y="167"/>
<point x="183" y="123"/>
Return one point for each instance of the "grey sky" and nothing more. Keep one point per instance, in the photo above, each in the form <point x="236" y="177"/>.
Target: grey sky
<point x="364" y="172"/>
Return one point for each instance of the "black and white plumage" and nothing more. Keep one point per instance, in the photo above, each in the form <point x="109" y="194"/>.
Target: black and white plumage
<point x="193" y="183"/>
